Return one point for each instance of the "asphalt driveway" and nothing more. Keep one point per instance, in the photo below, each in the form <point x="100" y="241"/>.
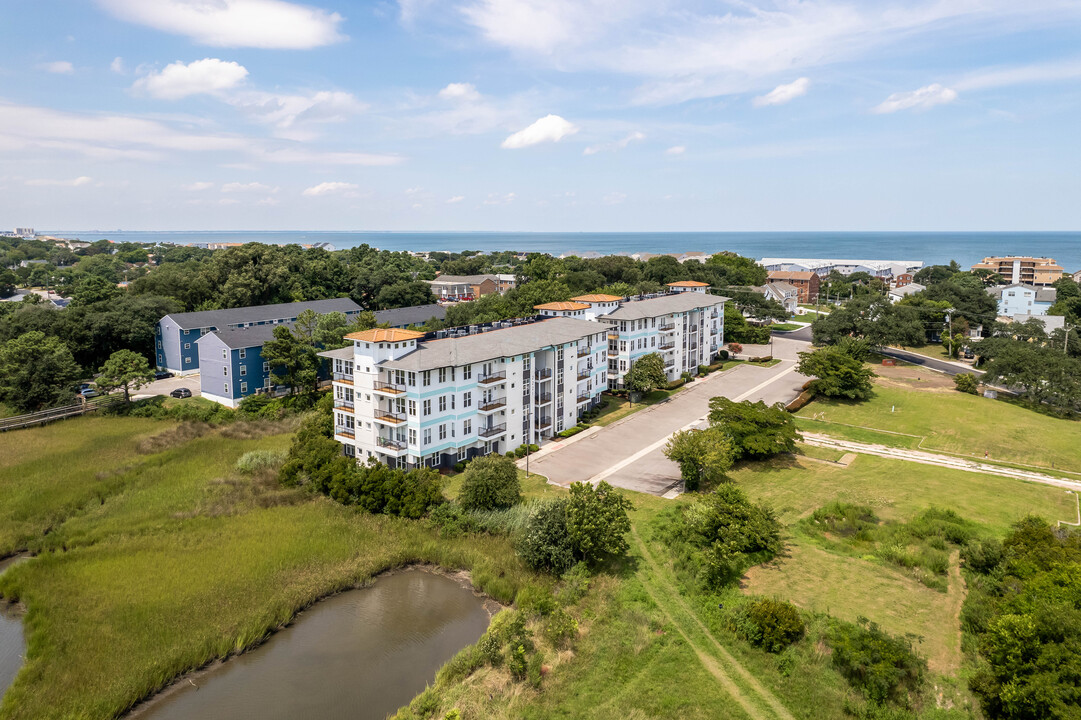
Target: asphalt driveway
<point x="166" y="386"/>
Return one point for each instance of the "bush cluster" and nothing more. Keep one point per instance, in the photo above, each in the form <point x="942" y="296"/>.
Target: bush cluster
<point x="770" y="624"/>
<point x="589" y="526"/>
<point x="877" y="664"/>
<point x="490" y="483"/>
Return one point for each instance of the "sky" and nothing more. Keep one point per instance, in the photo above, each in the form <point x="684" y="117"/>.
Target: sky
<point x="541" y="115"/>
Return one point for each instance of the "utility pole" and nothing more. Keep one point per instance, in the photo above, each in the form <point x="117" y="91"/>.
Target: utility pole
<point x="949" y="319"/>
<point x="1066" y="336"/>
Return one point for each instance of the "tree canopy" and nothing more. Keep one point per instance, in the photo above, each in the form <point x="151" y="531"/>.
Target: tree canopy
<point x="757" y="430"/>
<point x="646" y="374"/>
<point x="836" y="373"/>
<point x="36" y="372"/>
<point x="124" y="370"/>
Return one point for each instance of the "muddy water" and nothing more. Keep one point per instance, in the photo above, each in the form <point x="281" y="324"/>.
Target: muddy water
<point x="12" y="643"/>
<point x="361" y="654"/>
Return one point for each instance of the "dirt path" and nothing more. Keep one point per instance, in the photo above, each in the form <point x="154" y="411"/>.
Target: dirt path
<point x="948" y="659"/>
<point x="928" y="458"/>
<point x="757" y="701"/>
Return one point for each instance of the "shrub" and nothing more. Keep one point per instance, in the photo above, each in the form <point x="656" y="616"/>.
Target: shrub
<point x="571" y="432"/>
<point x="875" y="663"/>
<point x="722" y="355"/>
<point x="703" y="370"/>
<point x="846" y="520"/>
<point x="545" y="544"/>
<point x="490" y="483"/>
<point x="597" y="521"/>
<point x="491" y="649"/>
<point x="982" y="556"/>
<point x="966" y="383"/>
<point x="260" y="406"/>
<point x="757" y="430"/>
<point x="536" y="600"/>
<point x="575" y="585"/>
<point x="510" y="454"/>
<point x="771" y="624"/>
<point x="560" y="628"/>
<point x="256" y="460"/>
<point x="452" y="521"/>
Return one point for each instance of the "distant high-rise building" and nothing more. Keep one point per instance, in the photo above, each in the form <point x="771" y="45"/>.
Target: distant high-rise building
<point x="1023" y="270"/>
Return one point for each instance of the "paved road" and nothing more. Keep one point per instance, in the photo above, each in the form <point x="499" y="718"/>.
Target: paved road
<point x="629" y="453"/>
<point x="950" y="368"/>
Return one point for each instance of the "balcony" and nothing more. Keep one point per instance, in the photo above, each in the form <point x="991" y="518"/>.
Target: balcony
<point x="694" y="328"/>
<point x="345" y="431"/>
<point x="492" y="378"/>
<point x="346" y="405"/>
<point x="543" y="373"/>
<point x="612" y="352"/>
<point x="542" y="398"/>
<point x="346" y="378"/>
<point x="583" y="375"/>
<point x="393" y="447"/>
<point x="491" y="404"/>
<point x="492" y="430"/>
<point x="389" y="418"/>
<point x="667" y="345"/>
<point x="544" y="423"/>
<point x="613" y="336"/>
<point x="666" y="327"/>
<point x="584" y="398"/>
<point x="392" y="389"/>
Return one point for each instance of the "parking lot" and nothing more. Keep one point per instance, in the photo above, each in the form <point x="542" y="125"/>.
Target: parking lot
<point x="166" y="386"/>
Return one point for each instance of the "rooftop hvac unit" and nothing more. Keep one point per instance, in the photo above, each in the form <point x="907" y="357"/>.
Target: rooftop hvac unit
<point x="440" y="334"/>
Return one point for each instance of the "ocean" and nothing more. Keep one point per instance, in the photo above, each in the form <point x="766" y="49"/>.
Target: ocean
<point x="928" y="247"/>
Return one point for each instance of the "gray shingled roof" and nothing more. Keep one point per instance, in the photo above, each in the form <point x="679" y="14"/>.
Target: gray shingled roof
<point x="260" y="313"/>
<point x="1043" y="294"/>
<point x="463" y="279"/>
<point x="493" y="344"/>
<point x="414" y="315"/>
<point x="253" y="336"/>
<point x="663" y="305"/>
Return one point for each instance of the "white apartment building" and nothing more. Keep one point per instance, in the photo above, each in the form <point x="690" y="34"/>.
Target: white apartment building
<point x="408" y="399"/>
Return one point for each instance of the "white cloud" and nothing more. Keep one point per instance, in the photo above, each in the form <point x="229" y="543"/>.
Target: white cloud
<point x="1024" y="75"/>
<point x="332" y="188"/>
<point x="498" y="199"/>
<point x="235" y="187"/>
<point x="455" y="199"/>
<point x="59" y="67"/>
<point x="783" y="93"/>
<point x="293" y="115"/>
<point x="177" y="80"/>
<point x="74" y="182"/>
<point x="614" y="198"/>
<point x="234" y="23"/>
<point x="921" y="99"/>
<point x="117" y="65"/>
<point x="675" y="150"/>
<point x="550" y="128"/>
<point x="197" y="186"/>
<point x="618" y="145"/>
<point x="460" y="91"/>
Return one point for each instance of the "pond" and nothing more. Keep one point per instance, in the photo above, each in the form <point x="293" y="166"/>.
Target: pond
<point x="361" y="654"/>
<point x="12" y="643"/>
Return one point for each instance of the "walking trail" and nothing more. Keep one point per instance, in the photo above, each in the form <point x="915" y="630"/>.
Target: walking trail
<point x="756" y="700"/>
<point x="927" y="458"/>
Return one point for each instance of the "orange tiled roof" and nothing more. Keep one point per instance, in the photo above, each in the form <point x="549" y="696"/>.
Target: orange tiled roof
<point x="561" y="306"/>
<point x="688" y="283"/>
<point x="385" y="335"/>
<point x="596" y="298"/>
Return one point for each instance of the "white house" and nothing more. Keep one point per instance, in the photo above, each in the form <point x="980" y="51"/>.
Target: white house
<point x="1023" y="299"/>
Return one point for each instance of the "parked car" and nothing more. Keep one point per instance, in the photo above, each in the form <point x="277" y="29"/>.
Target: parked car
<point x="181" y="393"/>
<point x="83" y="387"/>
<point x="88" y="393"/>
<point x="162" y="374"/>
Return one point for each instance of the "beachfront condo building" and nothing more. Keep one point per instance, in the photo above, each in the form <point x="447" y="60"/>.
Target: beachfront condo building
<point x="409" y="399"/>
<point x="1019" y="270"/>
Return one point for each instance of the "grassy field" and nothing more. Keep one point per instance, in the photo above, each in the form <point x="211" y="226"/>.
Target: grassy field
<point x="168" y="559"/>
<point x="954" y="422"/>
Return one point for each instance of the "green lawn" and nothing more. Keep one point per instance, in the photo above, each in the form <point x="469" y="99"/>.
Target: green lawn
<point x="785" y="326"/>
<point x="957" y="423"/>
<point x="616" y="408"/>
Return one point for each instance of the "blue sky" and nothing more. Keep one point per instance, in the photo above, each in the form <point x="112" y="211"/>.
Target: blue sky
<point x="541" y="115"/>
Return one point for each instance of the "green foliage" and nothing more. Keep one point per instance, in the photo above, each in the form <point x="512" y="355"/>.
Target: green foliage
<point x="722" y="534"/>
<point x="1026" y="615"/>
<point x="261" y="406"/>
<point x="1043" y="374"/>
<point x="880" y="666"/>
<point x="292" y="358"/>
<point x="872" y="318"/>
<point x="36" y="372"/>
<point x="737" y="330"/>
<point x="757" y="431"/>
<point x="490" y="483"/>
<point x="703" y="456"/>
<point x="597" y="521"/>
<point x="836" y="373"/>
<point x="646" y="374"/>
<point x="770" y="624"/>
<point x="255" y="460"/>
<point x="125" y="370"/>
<point x="966" y="383"/>
<point x="545" y="544"/>
<point x="574" y="585"/>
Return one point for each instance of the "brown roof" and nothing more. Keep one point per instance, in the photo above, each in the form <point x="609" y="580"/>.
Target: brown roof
<point x="595" y="298"/>
<point x="688" y="283"/>
<point x="561" y="306"/>
<point x="385" y="335"/>
<point x="791" y="275"/>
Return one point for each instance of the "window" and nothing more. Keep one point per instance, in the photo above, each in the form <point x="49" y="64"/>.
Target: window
<point x="463" y="453"/>
<point x="243" y="388"/>
<point x="159" y="358"/>
<point x="467" y="400"/>
<point x="427" y="436"/>
<point x="452" y="401"/>
<point x="412" y="436"/>
<point x="467" y="372"/>
<point x="442" y="403"/>
<point x="653" y="341"/>
<point x="412" y="408"/>
<point x="187" y="360"/>
<point x="442" y="375"/>
<point x="159" y="344"/>
<point x="426" y="378"/>
<point x="467" y="427"/>
<point x="185" y="332"/>
<point x="412" y="379"/>
<point x="224" y="354"/>
<point x="427" y="407"/>
<point x="187" y="346"/>
<point x="623" y="346"/>
<point x="266" y="367"/>
<point x="442" y="431"/>
<point x="623" y="366"/>
<point x="243" y="353"/>
<point x="266" y="383"/>
<point x="226" y="387"/>
<point x="225" y="370"/>
<point x="243" y="370"/>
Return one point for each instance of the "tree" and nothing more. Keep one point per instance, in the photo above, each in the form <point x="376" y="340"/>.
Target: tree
<point x="404" y="293"/>
<point x="597" y="522"/>
<point x="8" y="281"/>
<point x="544" y="543"/>
<point x="735" y="348"/>
<point x="837" y="374"/>
<point x="293" y="360"/>
<point x="873" y="318"/>
<point x="1041" y="373"/>
<point x="36" y="372"/>
<point x="757" y="430"/>
<point x="124" y="369"/>
<point x="702" y="455"/>
<point x="646" y="374"/>
<point x="738" y="270"/>
<point x="490" y="483"/>
<point x="966" y="383"/>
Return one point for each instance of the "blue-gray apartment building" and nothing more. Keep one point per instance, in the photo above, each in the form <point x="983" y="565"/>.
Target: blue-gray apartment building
<point x="177" y="335"/>
<point x="231" y="365"/>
